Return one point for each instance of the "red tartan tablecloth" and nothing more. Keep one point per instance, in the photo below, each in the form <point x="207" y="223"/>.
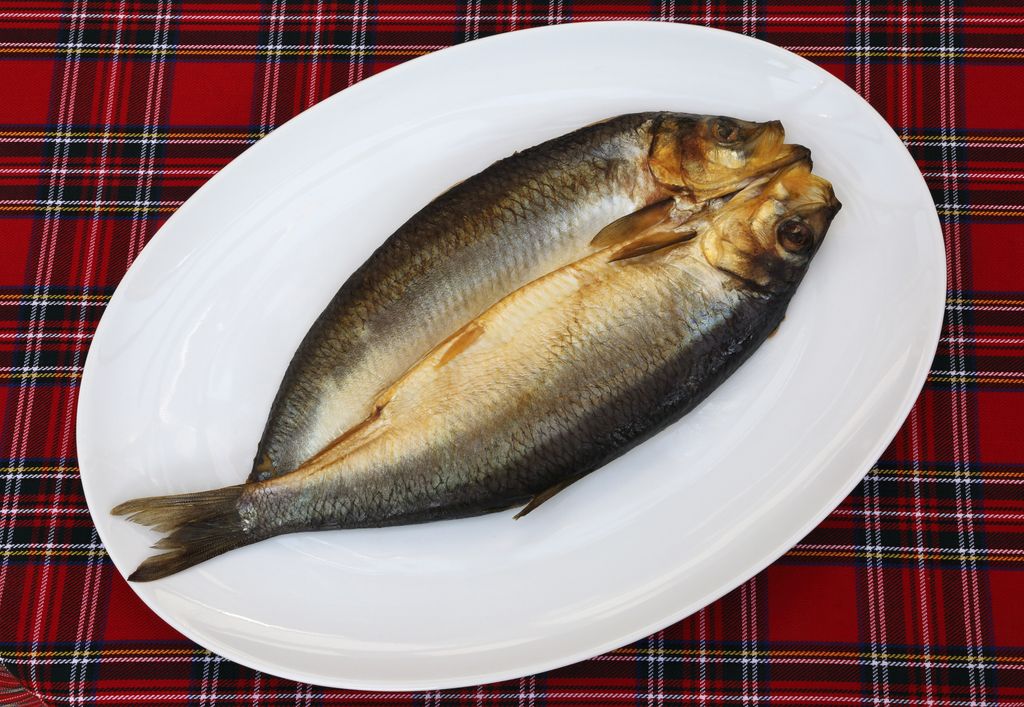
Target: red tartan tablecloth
<point x="113" y="112"/>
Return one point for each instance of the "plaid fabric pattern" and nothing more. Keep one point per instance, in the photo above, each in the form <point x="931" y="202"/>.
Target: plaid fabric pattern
<point x="911" y="593"/>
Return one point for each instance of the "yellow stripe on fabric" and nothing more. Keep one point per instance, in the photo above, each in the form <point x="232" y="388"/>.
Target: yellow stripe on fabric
<point x="627" y="650"/>
<point x="975" y="378"/>
<point x="789" y="653"/>
<point x="16" y="296"/>
<point x="958" y="138"/>
<point x="52" y="374"/>
<point x="241" y="51"/>
<point x="38" y="468"/>
<point x="90" y="208"/>
<point x="258" y="134"/>
<point x="1013" y="211"/>
<point x="911" y="54"/>
<point x="969" y="300"/>
<point x="332" y="51"/>
<point x="940" y="556"/>
<point x="135" y="134"/>
<point x="52" y="553"/>
<point x="85" y="652"/>
<point x="970" y="474"/>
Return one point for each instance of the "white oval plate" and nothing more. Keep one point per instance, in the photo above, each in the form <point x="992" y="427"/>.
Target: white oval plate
<point x="194" y="342"/>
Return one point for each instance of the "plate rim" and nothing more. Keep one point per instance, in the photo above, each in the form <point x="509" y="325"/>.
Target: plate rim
<point x="937" y="269"/>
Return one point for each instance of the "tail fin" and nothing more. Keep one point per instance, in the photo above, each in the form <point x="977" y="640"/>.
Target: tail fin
<point x="198" y="526"/>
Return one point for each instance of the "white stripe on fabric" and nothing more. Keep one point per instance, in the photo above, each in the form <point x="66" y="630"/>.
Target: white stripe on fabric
<point x="44" y="273"/>
<point x="95" y="562"/>
<point x="583" y="17"/>
<point x="315" y="60"/>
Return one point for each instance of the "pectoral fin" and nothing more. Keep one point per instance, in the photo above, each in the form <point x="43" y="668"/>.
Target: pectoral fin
<point x="461" y="341"/>
<point x="632" y="225"/>
<point x="656" y="240"/>
<point x="543" y="496"/>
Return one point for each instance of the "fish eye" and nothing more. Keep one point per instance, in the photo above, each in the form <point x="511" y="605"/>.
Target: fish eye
<point x="725" y="131"/>
<point x="795" y="235"/>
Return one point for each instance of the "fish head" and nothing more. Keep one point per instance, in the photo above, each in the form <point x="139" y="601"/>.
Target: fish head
<point x="712" y="155"/>
<point x="767" y="234"/>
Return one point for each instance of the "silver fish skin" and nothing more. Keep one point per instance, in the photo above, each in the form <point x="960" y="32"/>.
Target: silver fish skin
<point x="547" y="385"/>
<point x="519" y="219"/>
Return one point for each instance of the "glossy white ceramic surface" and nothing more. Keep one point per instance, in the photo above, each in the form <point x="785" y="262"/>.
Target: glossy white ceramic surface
<point x="193" y="345"/>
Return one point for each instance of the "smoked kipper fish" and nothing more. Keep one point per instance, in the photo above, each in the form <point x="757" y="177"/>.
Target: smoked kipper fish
<point x="515" y="221"/>
<point x="548" y="384"/>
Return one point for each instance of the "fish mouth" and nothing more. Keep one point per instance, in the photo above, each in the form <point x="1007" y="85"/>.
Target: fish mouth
<point x="795" y="153"/>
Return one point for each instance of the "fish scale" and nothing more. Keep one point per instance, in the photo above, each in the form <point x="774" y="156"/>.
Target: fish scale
<point x="519" y="219"/>
<point x="540" y="388"/>
<point x="438" y="245"/>
<point x="467" y="464"/>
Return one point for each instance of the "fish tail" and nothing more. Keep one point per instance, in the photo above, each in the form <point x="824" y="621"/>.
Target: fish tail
<point x="198" y="526"/>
